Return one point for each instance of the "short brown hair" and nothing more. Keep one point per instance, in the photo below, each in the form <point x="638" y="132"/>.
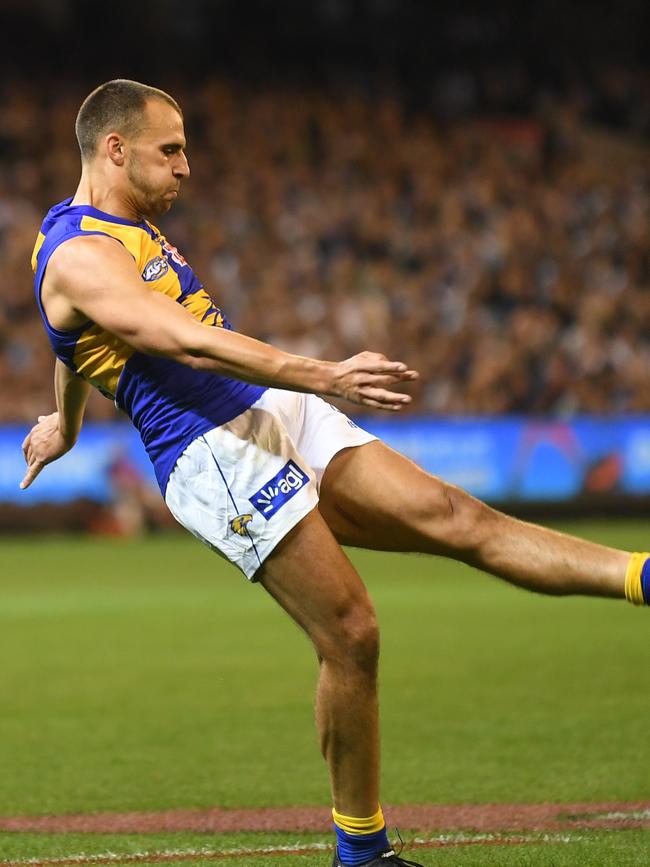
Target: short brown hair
<point x="116" y="105"/>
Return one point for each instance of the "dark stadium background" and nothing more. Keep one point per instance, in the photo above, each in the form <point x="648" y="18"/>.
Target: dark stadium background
<point x="409" y="40"/>
<point x="559" y="93"/>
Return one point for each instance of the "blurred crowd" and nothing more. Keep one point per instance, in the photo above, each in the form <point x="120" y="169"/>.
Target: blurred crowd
<point x="507" y="258"/>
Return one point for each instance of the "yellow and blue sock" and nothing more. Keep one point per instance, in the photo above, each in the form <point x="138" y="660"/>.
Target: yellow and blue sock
<point x="359" y="840"/>
<point x="637" y="579"/>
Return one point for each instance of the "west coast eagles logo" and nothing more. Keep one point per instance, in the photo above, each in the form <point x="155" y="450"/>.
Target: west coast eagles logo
<point x="155" y="268"/>
<point x="240" y="524"/>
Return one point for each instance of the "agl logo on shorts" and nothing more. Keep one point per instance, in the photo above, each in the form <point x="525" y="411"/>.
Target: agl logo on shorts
<point x="279" y="490"/>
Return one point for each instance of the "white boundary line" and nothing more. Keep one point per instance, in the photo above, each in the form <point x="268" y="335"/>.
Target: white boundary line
<point x="297" y="849"/>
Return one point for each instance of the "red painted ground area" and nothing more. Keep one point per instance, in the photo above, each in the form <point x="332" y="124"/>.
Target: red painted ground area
<point x="484" y="818"/>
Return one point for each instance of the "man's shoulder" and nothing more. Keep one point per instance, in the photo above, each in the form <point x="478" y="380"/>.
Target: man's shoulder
<point x="62" y="238"/>
<point x="82" y="262"/>
<point x="85" y="250"/>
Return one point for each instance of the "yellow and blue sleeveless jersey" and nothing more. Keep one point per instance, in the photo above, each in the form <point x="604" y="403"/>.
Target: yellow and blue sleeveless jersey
<point x="169" y="403"/>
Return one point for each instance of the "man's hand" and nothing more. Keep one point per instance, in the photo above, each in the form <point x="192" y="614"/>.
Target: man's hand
<point x="43" y="444"/>
<point x="364" y="379"/>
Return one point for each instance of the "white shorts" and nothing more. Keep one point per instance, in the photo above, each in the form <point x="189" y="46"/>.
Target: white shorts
<point x="242" y="486"/>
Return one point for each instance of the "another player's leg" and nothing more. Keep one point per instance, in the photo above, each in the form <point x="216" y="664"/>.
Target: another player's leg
<point x="373" y="497"/>
<point x="312" y="579"/>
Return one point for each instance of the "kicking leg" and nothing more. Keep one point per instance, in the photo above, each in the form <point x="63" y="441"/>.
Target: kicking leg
<point x="373" y="497"/>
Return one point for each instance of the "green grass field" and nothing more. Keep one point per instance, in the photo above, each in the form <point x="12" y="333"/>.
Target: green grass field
<point x="148" y="675"/>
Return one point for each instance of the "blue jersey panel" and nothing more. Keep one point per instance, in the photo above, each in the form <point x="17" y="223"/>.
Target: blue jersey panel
<point x="172" y="404"/>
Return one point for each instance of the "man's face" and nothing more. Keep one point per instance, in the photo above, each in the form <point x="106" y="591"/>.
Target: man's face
<point x="156" y="162"/>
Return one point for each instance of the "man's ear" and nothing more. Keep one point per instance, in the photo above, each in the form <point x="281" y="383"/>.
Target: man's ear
<point x="114" y="144"/>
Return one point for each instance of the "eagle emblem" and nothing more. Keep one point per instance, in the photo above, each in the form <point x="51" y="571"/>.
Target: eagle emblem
<point x="240" y="523"/>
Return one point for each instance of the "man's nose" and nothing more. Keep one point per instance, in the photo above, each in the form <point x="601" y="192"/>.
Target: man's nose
<point x="182" y="167"/>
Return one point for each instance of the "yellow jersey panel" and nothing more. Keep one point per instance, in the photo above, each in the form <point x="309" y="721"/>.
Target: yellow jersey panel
<point x="100" y="357"/>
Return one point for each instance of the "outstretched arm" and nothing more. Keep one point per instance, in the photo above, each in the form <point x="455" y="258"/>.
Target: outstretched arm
<point x="55" y="434"/>
<point x="97" y="278"/>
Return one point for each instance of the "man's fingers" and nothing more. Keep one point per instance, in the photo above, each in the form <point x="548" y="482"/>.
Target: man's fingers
<point x="40" y="447"/>
<point x="380" y="398"/>
<point x="369" y="376"/>
<point x="375" y="404"/>
<point x="379" y="380"/>
<point x="32" y="471"/>
<point x="404" y="376"/>
<point x="380" y="365"/>
<point x="28" y="452"/>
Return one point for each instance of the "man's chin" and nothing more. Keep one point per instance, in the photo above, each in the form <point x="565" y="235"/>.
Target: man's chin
<point x="157" y="209"/>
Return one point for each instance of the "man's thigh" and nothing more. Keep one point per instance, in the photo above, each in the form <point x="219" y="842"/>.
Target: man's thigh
<point x="311" y="577"/>
<point x="374" y="497"/>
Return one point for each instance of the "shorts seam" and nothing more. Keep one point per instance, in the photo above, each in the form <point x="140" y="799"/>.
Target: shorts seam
<point x="232" y="499"/>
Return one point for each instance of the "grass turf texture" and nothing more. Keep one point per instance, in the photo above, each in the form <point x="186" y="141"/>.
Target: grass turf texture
<point x="148" y="675"/>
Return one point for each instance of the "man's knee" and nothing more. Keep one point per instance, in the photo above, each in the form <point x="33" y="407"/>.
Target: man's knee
<point x="454" y="520"/>
<point x="351" y="638"/>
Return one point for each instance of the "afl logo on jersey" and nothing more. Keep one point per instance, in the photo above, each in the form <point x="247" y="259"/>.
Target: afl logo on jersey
<point x="155" y="268"/>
